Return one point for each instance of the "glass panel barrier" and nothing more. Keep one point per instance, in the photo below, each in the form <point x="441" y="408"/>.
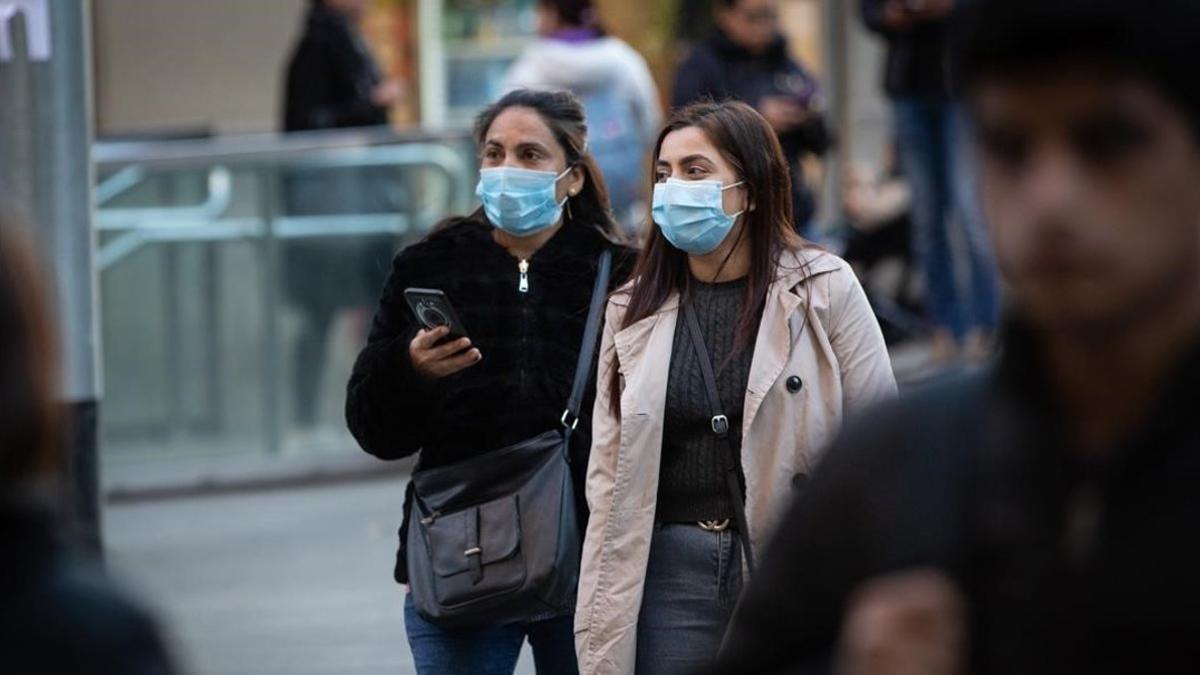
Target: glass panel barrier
<point x="238" y="278"/>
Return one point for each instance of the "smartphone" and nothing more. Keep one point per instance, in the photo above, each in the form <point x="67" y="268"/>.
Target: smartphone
<point x="432" y="309"/>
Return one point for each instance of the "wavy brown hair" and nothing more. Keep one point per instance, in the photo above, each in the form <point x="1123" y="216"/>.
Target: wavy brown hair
<point x="31" y="419"/>
<point x="750" y="146"/>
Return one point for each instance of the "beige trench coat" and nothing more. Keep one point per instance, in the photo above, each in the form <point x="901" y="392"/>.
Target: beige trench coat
<point x="817" y="325"/>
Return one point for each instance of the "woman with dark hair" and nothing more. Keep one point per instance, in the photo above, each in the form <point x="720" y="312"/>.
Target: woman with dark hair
<point x="624" y="111"/>
<point x="725" y="366"/>
<point x="51" y="596"/>
<point x="519" y="272"/>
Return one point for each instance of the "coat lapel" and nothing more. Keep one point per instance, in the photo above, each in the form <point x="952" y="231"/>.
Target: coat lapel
<point x="643" y="350"/>
<point x="773" y="347"/>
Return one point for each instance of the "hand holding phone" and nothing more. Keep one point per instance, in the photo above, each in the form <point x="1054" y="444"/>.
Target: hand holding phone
<point x="442" y="347"/>
<point x="434" y="358"/>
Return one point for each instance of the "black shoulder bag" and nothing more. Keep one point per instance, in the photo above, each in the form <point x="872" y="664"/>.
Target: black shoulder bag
<point x="495" y="539"/>
<point x="720" y="427"/>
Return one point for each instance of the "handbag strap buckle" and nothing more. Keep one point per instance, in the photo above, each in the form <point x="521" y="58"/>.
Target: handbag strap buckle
<point x="720" y="425"/>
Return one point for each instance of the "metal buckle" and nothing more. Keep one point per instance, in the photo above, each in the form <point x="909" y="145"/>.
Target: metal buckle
<point x="714" y="525"/>
<point x="720" y="425"/>
<point x="573" y="423"/>
<point x="473" y="551"/>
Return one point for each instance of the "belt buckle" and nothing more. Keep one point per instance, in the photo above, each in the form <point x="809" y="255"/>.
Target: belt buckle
<point x="714" y="525"/>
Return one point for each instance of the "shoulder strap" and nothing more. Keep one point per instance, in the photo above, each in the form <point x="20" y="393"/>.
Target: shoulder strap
<point x="720" y="427"/>
<point x="587" y="350"/>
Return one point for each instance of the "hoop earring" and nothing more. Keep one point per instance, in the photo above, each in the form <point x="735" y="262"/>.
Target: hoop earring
<point x="570" y="216"/>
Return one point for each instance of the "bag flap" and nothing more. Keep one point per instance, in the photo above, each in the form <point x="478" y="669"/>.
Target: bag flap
<point x="493" y="528"/>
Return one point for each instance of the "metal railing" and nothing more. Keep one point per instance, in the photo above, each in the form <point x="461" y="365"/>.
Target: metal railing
<point x="240" y="199"/>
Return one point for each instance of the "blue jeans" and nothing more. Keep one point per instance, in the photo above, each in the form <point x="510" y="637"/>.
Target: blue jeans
<point x="936" y="157"/>
<point x="490" y="651"/>
<point x="693" y="581"/>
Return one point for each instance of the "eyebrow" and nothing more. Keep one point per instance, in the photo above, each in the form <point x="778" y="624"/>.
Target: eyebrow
<point x="687" y="160"/>
<point x="527" y="145"/>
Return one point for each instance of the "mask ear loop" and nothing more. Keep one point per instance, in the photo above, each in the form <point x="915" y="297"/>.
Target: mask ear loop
<point x="733" y="185"/>
<point x="566" y="200"/>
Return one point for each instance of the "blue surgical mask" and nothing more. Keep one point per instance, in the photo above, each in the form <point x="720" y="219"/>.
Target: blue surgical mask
<point x="520" y="201"/>
<point x="691" y="215"/>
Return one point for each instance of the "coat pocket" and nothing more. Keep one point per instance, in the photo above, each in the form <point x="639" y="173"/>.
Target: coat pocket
<point x="476" y="552"/>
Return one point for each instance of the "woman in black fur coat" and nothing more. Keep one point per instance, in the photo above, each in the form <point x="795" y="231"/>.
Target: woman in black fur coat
<point x="519" y="273"/>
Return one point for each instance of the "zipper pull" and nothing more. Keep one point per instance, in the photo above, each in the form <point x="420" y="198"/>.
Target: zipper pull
<point x="523" y="267"/>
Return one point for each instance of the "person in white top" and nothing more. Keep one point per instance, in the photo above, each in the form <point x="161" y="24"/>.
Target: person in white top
<point x="624" y="110"/>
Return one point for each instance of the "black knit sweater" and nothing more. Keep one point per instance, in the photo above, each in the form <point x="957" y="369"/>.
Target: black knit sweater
<point x="529" y="341"/>
<point x="692" y="484"/>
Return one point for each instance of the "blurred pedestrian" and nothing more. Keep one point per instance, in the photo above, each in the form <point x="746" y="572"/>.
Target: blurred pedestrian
<point x="746" y="58"/>
<point x="575" y="52"/>
<point x="333" y="82"/>
<point x="519" y="274"/>
<point x="724" y="368"/>
<point x="1039" y="517"/>
<point x="59" y="615"/>
<point x="949" y="232"/>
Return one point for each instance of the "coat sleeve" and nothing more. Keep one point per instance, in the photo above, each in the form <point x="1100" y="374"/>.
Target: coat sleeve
<point x="645" y="93"/>
<point x="310" y="80"/>
<point x="872" y="14"/>
<point x="601" y="481"/>
<point x="858" y="343"/>
<point x="388" y="405"/>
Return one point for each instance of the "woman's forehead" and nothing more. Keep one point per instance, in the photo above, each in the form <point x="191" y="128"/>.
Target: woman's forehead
<point x="688" y="142"/>
<point x="518" y="125"/>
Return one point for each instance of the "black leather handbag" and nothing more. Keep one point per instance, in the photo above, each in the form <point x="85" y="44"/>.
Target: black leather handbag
<point x="495" y="539"/>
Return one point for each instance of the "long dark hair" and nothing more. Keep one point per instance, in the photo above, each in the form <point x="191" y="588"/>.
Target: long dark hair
<point x="749" y="144"/>
<point x="31" y="424"/>
<point x="563" y="113"/>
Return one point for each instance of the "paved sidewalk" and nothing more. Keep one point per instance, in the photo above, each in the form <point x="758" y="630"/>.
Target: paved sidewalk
<point x="294" y="581"/>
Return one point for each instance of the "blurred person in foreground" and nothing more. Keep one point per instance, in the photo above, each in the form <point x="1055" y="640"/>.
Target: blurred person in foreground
<point x="333" y="82"/>
<point x="58" y="613"/>
<point x="520" y="273"/>
<point x="933" y="136"/>
<point x="746" y="58"/>
<point x="576" y="53"/>
<point x="1042" y="516"/>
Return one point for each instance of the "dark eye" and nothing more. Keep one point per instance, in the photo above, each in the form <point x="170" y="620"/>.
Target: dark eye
<point x="1005" y="147"/>
<point x="1108" y="141"/>
<point x="661" y="176"/>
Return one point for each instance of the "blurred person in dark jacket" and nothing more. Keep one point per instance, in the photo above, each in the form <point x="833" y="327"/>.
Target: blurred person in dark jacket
<point x="949" y="232"/>
<point x="333" y="82"/>
<point x="746" y="58"/>
<point x="1041" y="516"/>
<point x="58" y="613"/>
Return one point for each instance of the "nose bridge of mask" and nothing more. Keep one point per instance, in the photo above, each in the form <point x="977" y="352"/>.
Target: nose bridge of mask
<point x="695" y="194"/>
<point x="515" y="180"/>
